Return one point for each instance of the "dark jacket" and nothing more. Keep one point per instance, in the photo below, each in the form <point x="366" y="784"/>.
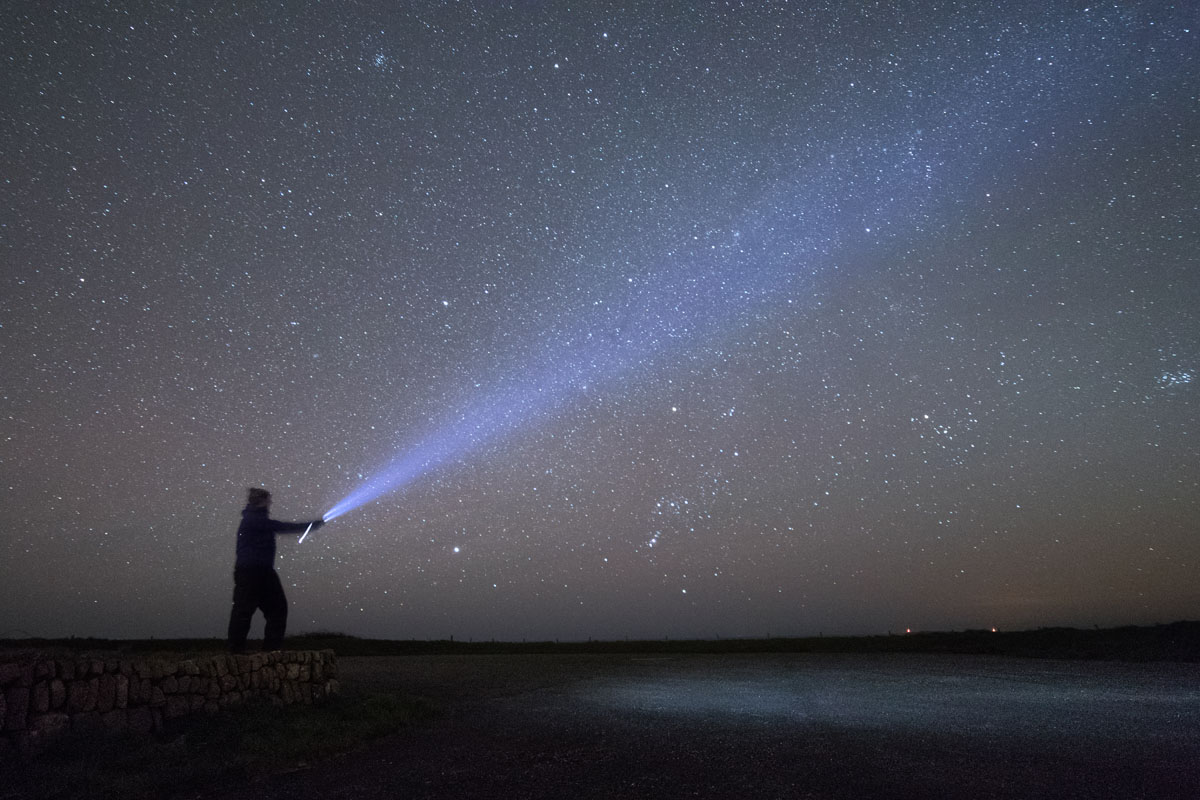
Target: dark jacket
<point x="256" y="537"/>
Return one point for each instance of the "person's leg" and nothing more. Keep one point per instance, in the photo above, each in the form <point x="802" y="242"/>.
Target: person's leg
<point x="275" y="609"/>
<point x="245" y="601"/>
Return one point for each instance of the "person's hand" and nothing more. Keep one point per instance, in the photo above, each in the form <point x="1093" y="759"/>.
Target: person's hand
<point x="317" y="523"/>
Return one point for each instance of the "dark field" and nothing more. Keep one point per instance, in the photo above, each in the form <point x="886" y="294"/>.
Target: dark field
<point x="769" y="725"/>
<point x="1051" y="713"/>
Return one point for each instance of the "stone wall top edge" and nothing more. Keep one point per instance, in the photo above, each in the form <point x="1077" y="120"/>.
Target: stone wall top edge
<point x="28" y="668"/>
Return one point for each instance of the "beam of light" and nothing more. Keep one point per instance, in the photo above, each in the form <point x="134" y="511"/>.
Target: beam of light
<point x="306" y="530"/>
<point x="902" y="177"/>
<point x="639" y="323"/>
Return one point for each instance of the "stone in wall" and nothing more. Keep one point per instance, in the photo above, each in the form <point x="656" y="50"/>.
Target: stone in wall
<point x="115" y="721"/>
<point x="122" y="699"/>
<point x="177" y="706"/>
<point x="50" y="723"/>
<point x="41" y="697"/>
<point x="16" y="701"/>
<point x="106" y="697"/>
<point x="140" y="720"/>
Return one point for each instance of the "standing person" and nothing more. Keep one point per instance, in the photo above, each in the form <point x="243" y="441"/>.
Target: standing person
<point x="255" y="582"/>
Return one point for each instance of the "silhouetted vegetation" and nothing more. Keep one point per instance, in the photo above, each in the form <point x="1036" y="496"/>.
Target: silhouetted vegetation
<point x="1178" y="641"/>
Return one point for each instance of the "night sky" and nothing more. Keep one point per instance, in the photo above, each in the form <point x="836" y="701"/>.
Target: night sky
<point x="716" y="319"/>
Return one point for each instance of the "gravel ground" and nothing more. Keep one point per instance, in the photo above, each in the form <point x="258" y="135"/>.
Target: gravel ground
<point x="794" y="726"/>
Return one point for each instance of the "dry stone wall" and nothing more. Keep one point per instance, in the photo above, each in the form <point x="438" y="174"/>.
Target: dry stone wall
<point x="43" y="697"/>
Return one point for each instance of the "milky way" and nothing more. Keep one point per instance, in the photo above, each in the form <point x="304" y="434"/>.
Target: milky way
<point x="610" y="321"/>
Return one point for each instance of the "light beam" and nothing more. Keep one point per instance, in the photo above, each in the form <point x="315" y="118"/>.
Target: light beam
<point x="872" y="186"/>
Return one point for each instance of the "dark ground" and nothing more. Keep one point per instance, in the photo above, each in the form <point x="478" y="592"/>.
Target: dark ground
<point x="768" y="725"/>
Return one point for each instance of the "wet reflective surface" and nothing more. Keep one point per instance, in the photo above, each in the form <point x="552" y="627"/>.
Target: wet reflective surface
<point x="819" y="726"/>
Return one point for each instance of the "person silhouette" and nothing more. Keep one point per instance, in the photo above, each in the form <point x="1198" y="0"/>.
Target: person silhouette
<point x="256" y="584"/>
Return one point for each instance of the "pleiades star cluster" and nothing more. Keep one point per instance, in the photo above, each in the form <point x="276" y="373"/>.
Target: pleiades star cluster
<point x="603" y="319"/>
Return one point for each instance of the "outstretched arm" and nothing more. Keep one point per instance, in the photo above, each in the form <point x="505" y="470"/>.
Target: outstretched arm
<point x="278" y="526"/>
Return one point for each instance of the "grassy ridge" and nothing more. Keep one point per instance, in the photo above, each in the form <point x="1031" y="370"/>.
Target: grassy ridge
<point x="1178" y="641"/>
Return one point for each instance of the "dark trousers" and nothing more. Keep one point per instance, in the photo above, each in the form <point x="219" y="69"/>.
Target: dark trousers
<point x="255" y="588"/>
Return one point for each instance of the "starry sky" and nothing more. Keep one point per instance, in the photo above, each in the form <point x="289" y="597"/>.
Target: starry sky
<point x="602" y="319"/>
